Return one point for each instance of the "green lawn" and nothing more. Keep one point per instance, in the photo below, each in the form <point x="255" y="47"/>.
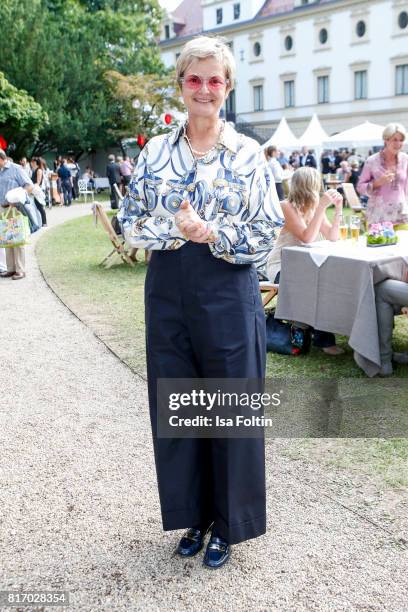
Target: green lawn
<point x="110" y="301"/>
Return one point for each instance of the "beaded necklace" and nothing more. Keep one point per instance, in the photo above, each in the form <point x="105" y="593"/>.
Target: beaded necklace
<point x="196" y="153"/>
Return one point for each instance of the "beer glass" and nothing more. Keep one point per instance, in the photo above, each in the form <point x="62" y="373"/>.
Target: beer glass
<point x="354" y="228"/>
<point x="343" y="228"/>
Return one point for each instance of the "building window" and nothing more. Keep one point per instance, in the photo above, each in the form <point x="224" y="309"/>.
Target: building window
<point x="323" y="36"/>
<point x="289" y="93"/>
<point x="360" y="29"/>
<point x="167" y="32"/>
<point x="288" y="43"/>
<point x="403" y="20"/>
<point x="257" y="49"/>
<point x="237" y="10"/>
<point x="322" y="89"/>
<point x="401" y="80"/>
<point x="219" y="15"/>
<point x="258" y="97"/>
<point x="360" y="84"/>
<point x="230" y="106"/>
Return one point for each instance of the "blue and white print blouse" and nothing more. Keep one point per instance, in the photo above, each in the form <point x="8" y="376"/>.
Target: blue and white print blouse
<point x="231" y="188"/>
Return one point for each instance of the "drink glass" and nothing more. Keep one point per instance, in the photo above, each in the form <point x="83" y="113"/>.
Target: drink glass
<point x="354" y="228"/>
<point x="343" y="228"/>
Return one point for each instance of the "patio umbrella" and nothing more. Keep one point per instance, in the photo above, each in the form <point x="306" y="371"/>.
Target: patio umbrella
<point x="283" y="137"/>
<point x="366" y="134"/>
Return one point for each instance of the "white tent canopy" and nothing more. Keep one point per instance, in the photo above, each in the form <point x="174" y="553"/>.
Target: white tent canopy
<point x="283" y="137"/>
<point x="366" y="134"/>
<point x="314" y="135"/>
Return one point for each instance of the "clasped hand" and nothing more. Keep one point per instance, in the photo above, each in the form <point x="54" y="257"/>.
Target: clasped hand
<point x="190" y="225"/>
<point x="332" y="196"/>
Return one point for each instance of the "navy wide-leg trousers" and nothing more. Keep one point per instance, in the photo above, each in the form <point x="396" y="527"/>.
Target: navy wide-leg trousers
<point x="204" y="319"/>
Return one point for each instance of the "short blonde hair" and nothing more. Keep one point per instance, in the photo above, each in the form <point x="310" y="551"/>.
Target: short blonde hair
<point x="305" y="186"/>
<point x="394" y="128"/>
<point x="202" y="47"/>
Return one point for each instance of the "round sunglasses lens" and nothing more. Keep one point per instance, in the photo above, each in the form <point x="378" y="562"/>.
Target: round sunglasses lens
<point x="215" y="83"/>
<point x="193" y="82"/>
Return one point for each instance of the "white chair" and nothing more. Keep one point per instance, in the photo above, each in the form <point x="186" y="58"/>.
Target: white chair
<point x="84" y="191"/>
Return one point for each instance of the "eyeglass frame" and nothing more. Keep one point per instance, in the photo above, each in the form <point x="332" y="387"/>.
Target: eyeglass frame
<point x="203" y="81"/>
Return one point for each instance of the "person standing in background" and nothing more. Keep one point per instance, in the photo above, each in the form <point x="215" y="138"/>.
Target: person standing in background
<point x="12" y="176"/>
<point x="25" y="166"/>
<point x="113" y="174"/>
<point x="271" y="154"/>
<point x="307" y="158"/>
<point x="66" y="182"/>
<point x="384" y="179"/>
<point x="126" y="169"/>
<point x="75" y="170"/>
<point x="37" y="178"/>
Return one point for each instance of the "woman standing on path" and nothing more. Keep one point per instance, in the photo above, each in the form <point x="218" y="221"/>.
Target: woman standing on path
<point x="38" y="178"/>
<point x="203" y="200"/>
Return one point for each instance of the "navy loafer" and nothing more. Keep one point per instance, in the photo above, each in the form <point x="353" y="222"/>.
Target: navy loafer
<point x="217" y="553"/>
<point x="192" y="542"/>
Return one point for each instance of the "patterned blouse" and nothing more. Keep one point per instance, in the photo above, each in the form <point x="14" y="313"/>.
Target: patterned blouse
<point x="231" y="188"/>
<point x="390" y="201"/>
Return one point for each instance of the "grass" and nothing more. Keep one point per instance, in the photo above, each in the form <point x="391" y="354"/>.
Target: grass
<point x="111" y="302"/>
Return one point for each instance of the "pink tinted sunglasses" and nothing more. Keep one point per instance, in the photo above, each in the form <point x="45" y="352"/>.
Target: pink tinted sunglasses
<point x="193" y="81"/>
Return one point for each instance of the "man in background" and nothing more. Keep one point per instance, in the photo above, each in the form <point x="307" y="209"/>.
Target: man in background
<point x="307" y="158"/>
<point x="113" y="174"/>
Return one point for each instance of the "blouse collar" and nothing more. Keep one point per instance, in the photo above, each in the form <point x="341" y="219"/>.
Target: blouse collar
<point x="229" y="138"/>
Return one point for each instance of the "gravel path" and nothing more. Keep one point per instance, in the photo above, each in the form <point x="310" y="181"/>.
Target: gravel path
<point x="79" y="508"/>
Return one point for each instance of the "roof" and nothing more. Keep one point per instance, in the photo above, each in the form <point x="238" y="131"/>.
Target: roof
<point x="273" y="7"/>
<point x="188" y="18"/>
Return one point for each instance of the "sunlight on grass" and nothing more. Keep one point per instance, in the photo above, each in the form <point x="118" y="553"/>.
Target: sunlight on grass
<point x="111" y="302"/>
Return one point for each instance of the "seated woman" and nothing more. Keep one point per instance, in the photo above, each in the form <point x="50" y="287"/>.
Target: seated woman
<point x="306" y="221"/>
<point x="390" y="296"/>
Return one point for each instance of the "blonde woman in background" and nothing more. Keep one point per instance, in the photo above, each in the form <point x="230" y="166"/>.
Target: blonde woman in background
<point x="384" y="179"/>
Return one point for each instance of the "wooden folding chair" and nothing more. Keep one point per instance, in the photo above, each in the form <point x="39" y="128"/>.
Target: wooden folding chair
<point x="352" y="198"/>
<point x="270" y="290"/>
<point x="132" y="251"/>
<point x="119" y="245"/>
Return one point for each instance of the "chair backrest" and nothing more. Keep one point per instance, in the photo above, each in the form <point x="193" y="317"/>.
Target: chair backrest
<point x="118" y="192"/>
<point x="351" y="195"/>
<point x="82" y="185"/>
<point x="107" y="225"/>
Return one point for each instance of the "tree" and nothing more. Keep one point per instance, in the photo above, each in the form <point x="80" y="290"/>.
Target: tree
<point x="21" y="117"/>
<point x="59" y="51"/>
<point x="141" y="100"/>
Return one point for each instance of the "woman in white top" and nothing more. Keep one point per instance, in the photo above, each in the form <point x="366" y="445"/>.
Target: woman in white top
<point x="271" y="154"/>
<point x="306" y="221"/>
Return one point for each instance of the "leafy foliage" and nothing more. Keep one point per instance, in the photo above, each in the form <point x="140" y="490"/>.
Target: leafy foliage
<point x="59" y="51"/>
<point x="141" y="100"/>
<point x="21" y="117"/>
